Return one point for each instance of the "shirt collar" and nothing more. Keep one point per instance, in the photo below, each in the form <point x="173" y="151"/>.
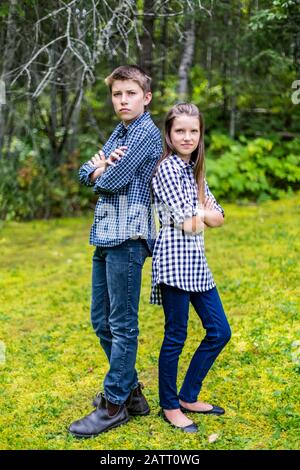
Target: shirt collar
<point x="182" y="163"/>
<point x="121" y="129"/>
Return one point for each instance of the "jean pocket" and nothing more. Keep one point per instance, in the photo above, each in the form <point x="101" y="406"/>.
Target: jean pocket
<point x="138" y="251"/>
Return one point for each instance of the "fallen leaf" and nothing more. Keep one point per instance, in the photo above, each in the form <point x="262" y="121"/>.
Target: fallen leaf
<point x="212" y="438"/>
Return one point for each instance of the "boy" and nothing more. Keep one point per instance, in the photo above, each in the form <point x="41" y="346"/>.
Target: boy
<point x="123" y="233"/>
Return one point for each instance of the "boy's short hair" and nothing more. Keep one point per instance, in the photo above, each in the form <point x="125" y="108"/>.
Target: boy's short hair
<point x="130" y="72"/>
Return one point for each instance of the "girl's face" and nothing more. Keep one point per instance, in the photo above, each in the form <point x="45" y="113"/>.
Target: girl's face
<point x="185" y="135"/>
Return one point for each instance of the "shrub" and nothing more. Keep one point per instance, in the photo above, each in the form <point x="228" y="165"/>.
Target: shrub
<point x="254" y="170"/>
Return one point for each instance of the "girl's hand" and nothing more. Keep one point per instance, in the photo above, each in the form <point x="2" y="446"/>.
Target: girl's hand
<point x="209" y="204"/>
<point x="212" y="217"/>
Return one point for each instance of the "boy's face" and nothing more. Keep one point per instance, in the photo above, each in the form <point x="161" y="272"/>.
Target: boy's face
<point x="128" y="100"/>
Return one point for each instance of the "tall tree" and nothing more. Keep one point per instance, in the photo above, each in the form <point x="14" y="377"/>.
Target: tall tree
<point x="186" y="58"/>
<point x="146" y="40"/>
<point x="9" y="49"/>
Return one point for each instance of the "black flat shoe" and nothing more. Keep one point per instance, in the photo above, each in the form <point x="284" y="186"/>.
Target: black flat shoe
<point x="216" y="410"/>
<point x="191" y="428"/>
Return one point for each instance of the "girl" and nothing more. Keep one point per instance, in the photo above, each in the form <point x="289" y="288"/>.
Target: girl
<point x="180" y="273"/>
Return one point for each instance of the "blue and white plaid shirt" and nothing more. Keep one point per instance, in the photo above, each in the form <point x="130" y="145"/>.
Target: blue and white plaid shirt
<point x="178" y="258"/>
<point x="124" y="209"/>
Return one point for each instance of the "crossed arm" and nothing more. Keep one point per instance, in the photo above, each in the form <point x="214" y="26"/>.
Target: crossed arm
<point x="102" y="163"/>
<point x="110" y="171"/>
<point x="169" y="191"/>
<point x="206" y="217"/>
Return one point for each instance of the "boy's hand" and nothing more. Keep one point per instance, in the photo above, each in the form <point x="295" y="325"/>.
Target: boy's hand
<point x="102" y="163"/>
<point x="98" y="159"/>
<point x="116" y="155"/>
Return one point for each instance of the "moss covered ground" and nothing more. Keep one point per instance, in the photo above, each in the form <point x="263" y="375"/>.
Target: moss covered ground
<point x="51" y="363"/>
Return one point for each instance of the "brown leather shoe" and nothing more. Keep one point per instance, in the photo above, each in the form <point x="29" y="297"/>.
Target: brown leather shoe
<point x="136" y="403"/>
<point x="105" y="417"/>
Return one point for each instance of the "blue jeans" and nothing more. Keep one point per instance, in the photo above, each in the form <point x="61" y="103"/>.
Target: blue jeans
<point x="176" y="308"/>
<point x="116" y="285"/>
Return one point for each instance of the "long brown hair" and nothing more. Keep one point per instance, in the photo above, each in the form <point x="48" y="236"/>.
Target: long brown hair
<point x="187" y="109"/>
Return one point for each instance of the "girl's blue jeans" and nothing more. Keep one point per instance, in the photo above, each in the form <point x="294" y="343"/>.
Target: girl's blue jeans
<point x="116" y="285"/>
<point x="176" y="308"/>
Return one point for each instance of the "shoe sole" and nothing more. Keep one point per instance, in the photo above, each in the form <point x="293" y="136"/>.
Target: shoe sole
<point x="85" y="436"/>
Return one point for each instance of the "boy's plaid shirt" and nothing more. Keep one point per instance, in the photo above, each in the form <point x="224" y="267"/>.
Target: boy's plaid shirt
<point x="124" y="209"/>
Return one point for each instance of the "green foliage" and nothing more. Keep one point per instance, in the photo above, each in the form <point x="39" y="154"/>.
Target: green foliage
<point x="30" y="188"/>
<point x="54" y="364"/>
<point x="4" y="9"/>
<point x="256" y="170"/>
<point x="245" y="62"/>
<point x="204" y="94"/>
<point x="164" y="97"/>
<point x="278" y="11"/>
<point x="244" y="170"/>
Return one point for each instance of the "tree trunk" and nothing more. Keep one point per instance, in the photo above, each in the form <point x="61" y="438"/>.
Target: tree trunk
<point x="209" y="51"/>
<point x="74" y="121"/>
<point x="147" y="38"/>
<point x="224" y="88"/>
<point x="232" y="125"/>
<point x="234" y="75"/>
<point x="186" y="59"/>
<point x="297" y="53"/>
<point x="164" y="51"/>
<point x="8" y="59"/>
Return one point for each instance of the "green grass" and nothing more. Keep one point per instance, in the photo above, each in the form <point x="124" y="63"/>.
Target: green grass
<point x="54" y="364"/>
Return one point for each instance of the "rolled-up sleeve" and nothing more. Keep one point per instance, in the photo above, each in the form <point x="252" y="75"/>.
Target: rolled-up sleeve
<point x="85" y="172"/>
<point x="140" y="145"/>
<point x="209" y="194"/>
<point x="168" y="188"/>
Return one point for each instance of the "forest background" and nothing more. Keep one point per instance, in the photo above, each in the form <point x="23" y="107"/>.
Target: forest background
<point x="239" y="61"/>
